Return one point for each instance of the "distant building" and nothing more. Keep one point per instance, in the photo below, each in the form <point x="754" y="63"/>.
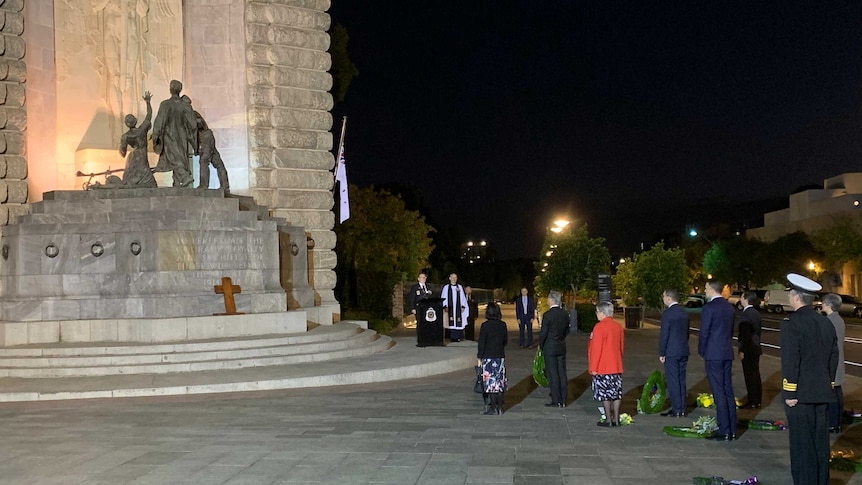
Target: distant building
<point x="477" y="252"/>
<point x="815" y="209"/>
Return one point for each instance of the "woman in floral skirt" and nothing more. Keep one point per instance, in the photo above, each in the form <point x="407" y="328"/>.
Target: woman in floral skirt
<point x="493" y="337"/>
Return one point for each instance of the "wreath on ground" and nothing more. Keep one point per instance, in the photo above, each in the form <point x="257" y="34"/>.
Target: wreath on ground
<point x="703" y="427"/>
<point x="844" y="460"/>
<point x="766" y="425"/>
<point x="705" y="400"/>
<point x="653" y="395"/>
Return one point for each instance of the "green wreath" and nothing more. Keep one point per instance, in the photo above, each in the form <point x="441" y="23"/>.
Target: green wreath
<point x="766" y="425"/>
<point x="845" y="464"/>
<point x="539" y="369"/>
<point x="683" y="432"/>
<point x="654" y="394"/>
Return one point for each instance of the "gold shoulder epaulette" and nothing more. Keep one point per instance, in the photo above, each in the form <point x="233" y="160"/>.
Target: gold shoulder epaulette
<point x="788" y="386"/>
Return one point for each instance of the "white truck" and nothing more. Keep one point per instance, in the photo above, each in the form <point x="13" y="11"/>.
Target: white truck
<point x="777" y="301"/>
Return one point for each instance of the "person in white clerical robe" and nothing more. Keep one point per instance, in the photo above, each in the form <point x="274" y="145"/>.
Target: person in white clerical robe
<point x="457" y="310"/>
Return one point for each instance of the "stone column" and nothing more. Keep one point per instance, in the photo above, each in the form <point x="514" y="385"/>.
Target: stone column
<point x="290" y="143"/>
<point x="13" y="117"/>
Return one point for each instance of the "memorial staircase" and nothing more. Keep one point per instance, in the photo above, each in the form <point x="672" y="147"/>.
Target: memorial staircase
<point x="343" y="353"/>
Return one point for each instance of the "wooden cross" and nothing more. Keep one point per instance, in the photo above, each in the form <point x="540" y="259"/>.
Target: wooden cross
<point x="227" y="288"/>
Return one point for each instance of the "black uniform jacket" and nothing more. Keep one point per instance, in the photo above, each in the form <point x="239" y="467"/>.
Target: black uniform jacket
<point x="809" y="356"/>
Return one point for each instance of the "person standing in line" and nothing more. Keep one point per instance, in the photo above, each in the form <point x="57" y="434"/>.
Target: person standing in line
<point x="552" y="341"/>
<point x="809" y="362"/>
<point x="525" y="309"/>
<point x="418" y="292"/>
<point x="673" y="350"/>
<point x="749" y="349"/>
<point x="455" y="302"/>
<point x="493" y="337"/>
<point x="831" y="304"/>
<point x="715" y="345"/>
<point x="605" y="356"/>
<point x="472" y="314"/>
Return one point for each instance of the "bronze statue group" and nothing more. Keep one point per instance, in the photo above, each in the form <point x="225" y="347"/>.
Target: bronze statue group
<point x="178" y="132"/>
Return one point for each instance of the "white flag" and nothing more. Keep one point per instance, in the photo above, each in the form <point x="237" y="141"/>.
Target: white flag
<point x="341" y="180"/>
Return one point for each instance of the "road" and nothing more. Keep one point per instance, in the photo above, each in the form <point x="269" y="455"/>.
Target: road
<point x="769" y="338"/>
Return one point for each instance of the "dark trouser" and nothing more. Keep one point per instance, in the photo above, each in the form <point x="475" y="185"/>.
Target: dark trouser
<point x="674" y="375"/>
<point x="522" y="326"/>
<point x="809" y="443"/>
<point x="555" y="368"/>
<point x="751" y="372"/>
<point x="456" y="334"/>
<point x="836" y="409"/>
<point x="470" y="329"/>
<point x="718" y="374"/>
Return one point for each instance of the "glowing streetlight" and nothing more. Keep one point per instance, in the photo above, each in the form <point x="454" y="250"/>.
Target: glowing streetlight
<point x="559" y="225"/>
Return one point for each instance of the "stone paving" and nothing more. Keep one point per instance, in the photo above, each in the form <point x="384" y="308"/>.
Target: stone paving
<point x="426" y="431"/>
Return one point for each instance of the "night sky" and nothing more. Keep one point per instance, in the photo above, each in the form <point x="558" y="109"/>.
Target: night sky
<point x="636" y="118"/>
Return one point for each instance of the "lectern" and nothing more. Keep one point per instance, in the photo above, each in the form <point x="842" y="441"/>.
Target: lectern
<point x="429" y="322"/>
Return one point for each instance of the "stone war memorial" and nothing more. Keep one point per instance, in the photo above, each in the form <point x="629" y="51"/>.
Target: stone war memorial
<point x="161" y="269"/>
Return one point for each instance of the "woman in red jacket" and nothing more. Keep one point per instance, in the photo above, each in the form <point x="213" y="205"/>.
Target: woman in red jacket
<point x="605" y="353"/>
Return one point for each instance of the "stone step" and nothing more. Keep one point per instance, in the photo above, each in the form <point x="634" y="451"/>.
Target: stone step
<point x="323" y="333"/>
<point x="402" y="361"/>
<point x="377" y="345"/>
<point x="242" y="349"/>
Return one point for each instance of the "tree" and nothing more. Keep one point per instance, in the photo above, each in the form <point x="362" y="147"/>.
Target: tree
<point x="789" y="253"/>
<point x="656" y="270"/>
<point x="377" y="246"/>
<point x="738" y="260"/>
<point x="343" y="70"/>
<point x="571" y="261"/>
<point x="841" y="242"/>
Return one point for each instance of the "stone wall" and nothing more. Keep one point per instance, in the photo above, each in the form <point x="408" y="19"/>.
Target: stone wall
<point x="289" y="123"/>
<point x="13" y="118"/>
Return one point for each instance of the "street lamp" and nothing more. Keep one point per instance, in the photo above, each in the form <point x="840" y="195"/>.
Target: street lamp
<point x="559" y="225"/>
<point x="693" y="233"/>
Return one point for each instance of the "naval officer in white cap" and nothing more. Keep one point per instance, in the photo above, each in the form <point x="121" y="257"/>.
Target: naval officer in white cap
<point x="809" y="359"/>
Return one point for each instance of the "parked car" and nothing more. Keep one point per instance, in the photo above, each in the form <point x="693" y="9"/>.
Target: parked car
<point x="734" y="299"/>
<point x="850" y="306"/>
<point x="695" y="300"/>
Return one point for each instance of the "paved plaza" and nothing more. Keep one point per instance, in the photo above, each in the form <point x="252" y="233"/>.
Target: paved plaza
<point x="425" y="431"/>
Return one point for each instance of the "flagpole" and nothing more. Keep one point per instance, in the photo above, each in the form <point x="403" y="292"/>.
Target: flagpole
<point x="340" y="149"/>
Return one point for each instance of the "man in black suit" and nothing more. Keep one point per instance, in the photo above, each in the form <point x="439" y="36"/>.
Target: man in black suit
<point x="473" y="314"/>
<point x="673" y="350"/>
<point x="749" y="348"/>
<point x="809" y="361"/>
<point x="552" y="341"/>
<point x="715" y="345"/>
<point x="418" y="292"/>
<point x="525" y="309"/>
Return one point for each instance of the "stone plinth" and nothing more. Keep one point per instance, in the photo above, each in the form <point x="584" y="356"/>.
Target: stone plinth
<point x="137" y="253"/>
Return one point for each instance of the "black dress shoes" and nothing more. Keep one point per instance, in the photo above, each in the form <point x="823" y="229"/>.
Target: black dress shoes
<point x="673" y="414"/>
<point x="750" y="406"/>
<point x="722" y="437"/>
<point x="836" y="429"/>
<point x="551" y="405"/>
<point x="604" y="424"/>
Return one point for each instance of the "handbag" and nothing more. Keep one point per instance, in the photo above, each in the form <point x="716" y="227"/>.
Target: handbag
<point x="539" y="369"/>
<point x="477" y="386"/>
